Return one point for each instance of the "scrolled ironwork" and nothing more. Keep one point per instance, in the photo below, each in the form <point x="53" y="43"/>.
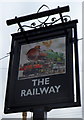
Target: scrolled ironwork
<point x="45" y="23"/>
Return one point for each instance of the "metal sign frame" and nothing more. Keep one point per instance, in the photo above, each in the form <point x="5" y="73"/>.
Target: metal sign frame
<point x="64" y="95"/>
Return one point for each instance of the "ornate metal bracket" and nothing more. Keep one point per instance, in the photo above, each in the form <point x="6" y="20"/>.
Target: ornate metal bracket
<point x="53" y="20"/>
<point x="39" y="14"/>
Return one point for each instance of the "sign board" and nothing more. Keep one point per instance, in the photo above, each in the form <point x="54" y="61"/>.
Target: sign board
<point x="41" y="70"/>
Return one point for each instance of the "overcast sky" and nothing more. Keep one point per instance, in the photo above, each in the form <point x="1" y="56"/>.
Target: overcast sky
<point x="9" y="10"/>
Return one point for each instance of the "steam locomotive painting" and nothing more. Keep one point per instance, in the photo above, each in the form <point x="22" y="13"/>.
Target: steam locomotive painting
<point x="42" y="58"/>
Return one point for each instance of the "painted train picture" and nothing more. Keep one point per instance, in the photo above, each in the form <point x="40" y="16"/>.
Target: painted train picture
<point x="42" y="58"/>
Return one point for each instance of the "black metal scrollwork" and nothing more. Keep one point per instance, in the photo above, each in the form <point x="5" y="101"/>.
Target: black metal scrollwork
<point x="52" y="20"/>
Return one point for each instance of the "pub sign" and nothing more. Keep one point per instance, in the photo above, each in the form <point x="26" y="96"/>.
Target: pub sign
<point x="41" y="69"/>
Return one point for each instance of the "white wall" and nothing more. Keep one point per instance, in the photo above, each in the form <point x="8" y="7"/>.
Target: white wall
<point x="9" y="10"/>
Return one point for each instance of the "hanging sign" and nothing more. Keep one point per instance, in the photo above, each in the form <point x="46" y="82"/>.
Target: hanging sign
<point x="41" y="69"/>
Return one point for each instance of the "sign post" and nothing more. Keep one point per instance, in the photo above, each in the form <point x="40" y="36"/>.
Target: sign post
<point x="43" y="69"/>
<point x="39" y="114"/>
